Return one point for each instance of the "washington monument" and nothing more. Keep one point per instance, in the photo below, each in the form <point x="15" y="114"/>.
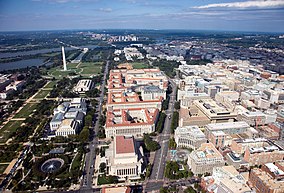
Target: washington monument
<point x="64" y="60"/>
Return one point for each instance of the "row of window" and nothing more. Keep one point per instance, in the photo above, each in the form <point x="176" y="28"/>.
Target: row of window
<point x="123" y="172"/>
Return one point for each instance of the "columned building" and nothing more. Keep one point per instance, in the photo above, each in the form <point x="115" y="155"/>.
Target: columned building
<point x="189" y="137"/>
<point x="125" y="158"/>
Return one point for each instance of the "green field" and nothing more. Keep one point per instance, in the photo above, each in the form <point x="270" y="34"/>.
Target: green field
<point x="3" y="168"/>
<point x="72" y="66"/>
<point x="77" y="162"/>
<point x="90" y="68"/>
<point x="71" y="55"/>
<point x="59" y="73"/>
<point x="26" y="110"/>
<point x="84" y="69"/>
<point x="102" y="179"/>
<point x="50" y="84"/>
<point x="42" y="94"/>
<point x="10" y="127"/>
<point x="139" y="65"/>
<point x="51" y="54"/>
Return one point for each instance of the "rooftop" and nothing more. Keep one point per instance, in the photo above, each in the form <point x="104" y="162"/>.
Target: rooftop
<point x="116" y="190"/>
<point x="189" y="130"/>
<point x="253" y="114"/>
<point x="274" y="169"/>
<point x="152" y="88"/>
<point x="268" y="180"/>
<point x="218" y="133"/>
<point x="212" y="108"/>
<point x="227" y="125"/>
<point x="124" y="144"/>
<point x="207" y="150"/>
<point x="132" y="116"/>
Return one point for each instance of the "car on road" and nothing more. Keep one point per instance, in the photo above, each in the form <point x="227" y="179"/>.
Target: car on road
<point x="170" y="117"/>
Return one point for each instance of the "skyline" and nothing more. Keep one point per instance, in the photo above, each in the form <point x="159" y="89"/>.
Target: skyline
<point x="220" y="15"/>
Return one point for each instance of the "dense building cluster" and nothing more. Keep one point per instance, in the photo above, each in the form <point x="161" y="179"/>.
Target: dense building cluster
<point x="133" y="104"/>
<point x="239" y="108"/>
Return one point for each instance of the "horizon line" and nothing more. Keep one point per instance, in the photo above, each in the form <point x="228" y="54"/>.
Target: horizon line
<point x="146" y="29"/>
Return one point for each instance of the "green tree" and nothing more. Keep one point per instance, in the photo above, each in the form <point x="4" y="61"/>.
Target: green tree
<point x="84" y="135"/>
<point x="94" y="102"/>
<point x="165" y="103"/>
<point x="148" y="170"/>
<point x="102" y="167"/>
<point x="150" y="144"/>
<point x="177" y="105"/>
<point x="88" y="120"/>
<point x="174" y="123"/>
<point x="172" y="143"/>
<point x="171" y="170"/>
<point x="161" y="121"/>
<point x="190" y="190"/>
<point x="163" y="190"/>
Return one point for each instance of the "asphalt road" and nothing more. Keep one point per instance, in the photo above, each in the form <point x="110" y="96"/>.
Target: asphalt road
<point x="156" y="178"/>
<point x="87" y="181"/>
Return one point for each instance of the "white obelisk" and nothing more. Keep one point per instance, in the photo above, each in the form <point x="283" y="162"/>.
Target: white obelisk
<point x="64" y="60"/>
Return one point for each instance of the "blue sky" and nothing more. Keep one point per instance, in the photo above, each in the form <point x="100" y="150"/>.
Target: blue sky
<point x="228" y="15"/>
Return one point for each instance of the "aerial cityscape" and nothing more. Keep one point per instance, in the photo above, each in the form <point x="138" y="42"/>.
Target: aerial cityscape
<point x="133" y="96"/>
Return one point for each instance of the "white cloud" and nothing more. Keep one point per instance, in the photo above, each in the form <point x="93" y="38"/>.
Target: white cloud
<point x="246" y="4"/>
<point x="106" y="9"/>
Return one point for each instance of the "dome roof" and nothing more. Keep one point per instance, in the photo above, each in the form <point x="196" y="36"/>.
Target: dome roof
<point x="61" y="107"/>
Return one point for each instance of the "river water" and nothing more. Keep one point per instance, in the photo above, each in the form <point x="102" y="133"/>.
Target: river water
<point x="22" y="64"/>
<point x="31" y="62"/>
<point x="42" y="51"/>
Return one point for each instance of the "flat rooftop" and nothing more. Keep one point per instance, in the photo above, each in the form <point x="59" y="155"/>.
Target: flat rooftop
<point x="207" y="150"/>
<point x="116" y="190"/>
<point x="123" y="78"/>
<point x="131" y="116"/>
<point x="124" y="145"/>
<point x="227" y="125"/>
<point x="268" y="180"/>
<point x="213" y="109"/>
<point x="190" y="130"/>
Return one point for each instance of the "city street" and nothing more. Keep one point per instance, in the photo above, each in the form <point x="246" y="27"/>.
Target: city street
<point x="87" y="181"/>
<point x="156" y="179"/>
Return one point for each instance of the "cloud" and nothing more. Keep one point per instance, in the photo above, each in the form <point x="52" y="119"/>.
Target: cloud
<point x="107" y="10"/>
<point x="245" y="4"/>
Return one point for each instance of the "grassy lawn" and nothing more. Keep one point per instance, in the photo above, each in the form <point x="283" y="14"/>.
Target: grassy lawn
<point x="84" y="69"/>
<point x="59" y="73"/>
<point x="42" y="94"/>
<point x="102" y="179"/>
<point x="50" y="84"/>
<point x="10" y="127"/>
<point x="91" y="67"/>
<point x="71" y="55"/>
<point x="3" y="168"/>
<point x="26" y="110"/>
<point x="77" y="162"/>
<point x="51" y="54"/>
<point x="72" y="65"/>
<point x="139" y="65"/>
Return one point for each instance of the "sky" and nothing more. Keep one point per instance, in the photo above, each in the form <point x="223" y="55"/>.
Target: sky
<point x="224" y="15"/>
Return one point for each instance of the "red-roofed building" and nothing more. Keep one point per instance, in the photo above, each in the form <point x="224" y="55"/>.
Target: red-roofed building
<point x="124" y="145"/>
<point x="124" y="158"/>
<point x="134" y="121"/>
<point x="116" y="189"/>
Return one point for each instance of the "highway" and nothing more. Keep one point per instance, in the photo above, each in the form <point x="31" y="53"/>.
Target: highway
<point x="156" y="178"/>
<point x="87" y="181"/>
